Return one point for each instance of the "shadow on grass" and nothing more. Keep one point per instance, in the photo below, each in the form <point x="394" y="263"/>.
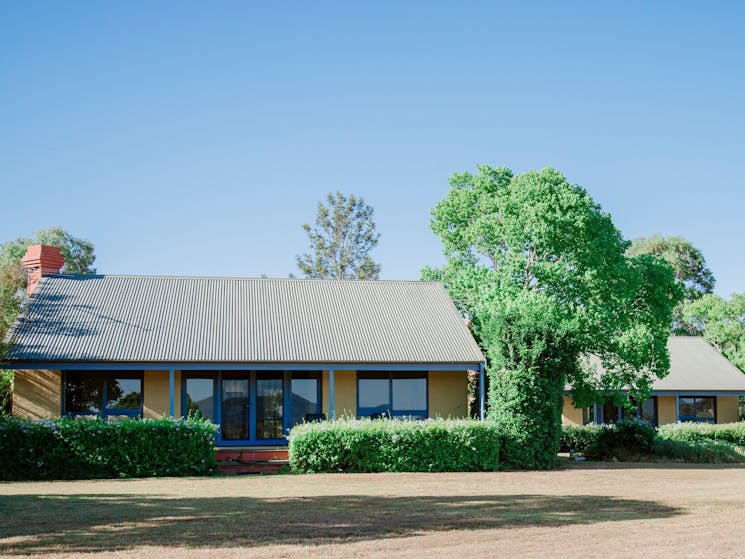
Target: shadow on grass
<point x="36" y="524"/>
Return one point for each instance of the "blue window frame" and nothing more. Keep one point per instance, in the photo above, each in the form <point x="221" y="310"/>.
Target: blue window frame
<point x="697" y="408"/>
<point x="102" y="393"/>
<point x="252" y="407"/>
<point x="395" y="394"/>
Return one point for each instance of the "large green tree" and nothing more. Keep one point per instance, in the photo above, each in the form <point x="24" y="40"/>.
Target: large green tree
<point x="542" y="272"/>
<point x="690" y="269"/>
<point x="721" y="322"/>
<point x="341" y="239"/>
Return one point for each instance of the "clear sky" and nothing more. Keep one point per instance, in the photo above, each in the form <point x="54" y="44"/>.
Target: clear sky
<point x="196" y="137"/>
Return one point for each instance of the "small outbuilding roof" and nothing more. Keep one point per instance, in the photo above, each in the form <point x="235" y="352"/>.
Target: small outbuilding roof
<point x="164" y="319"/>
<point x="696" y="366"/>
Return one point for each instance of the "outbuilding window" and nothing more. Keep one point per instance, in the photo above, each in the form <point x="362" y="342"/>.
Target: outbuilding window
<point x="697" y="408"/>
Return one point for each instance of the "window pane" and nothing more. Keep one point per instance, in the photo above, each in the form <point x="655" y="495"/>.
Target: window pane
<point x="686" y="407"/>
<point x="373" y="393"/>
<point x="610" y="413"/>
<point x="84" y="393"/>
<point x="269" y="408"/>
<point x="124" y="393"/>
<point x="304" y="398"/>
<point x="235" y="406"/>
<point x="704" y="408"/>
<point x="588" y="415"/>
<point x="647" y="410"/>
<point x="409" y="394"/>
<point x="199" y="397"/>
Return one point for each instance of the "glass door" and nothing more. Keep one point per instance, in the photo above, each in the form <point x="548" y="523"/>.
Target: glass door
<point x="269" y="405"/>
<point x="236" y="407"/>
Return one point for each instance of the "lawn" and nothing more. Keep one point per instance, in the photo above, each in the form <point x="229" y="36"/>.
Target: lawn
<point x="583" y="510"/>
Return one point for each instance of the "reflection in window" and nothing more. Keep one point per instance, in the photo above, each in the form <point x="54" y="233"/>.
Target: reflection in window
<point x="199" y="397"/>
<point x="269" y="407"/>
<point x="103" y="393"/>
<point x="696" y="408"/>
<point x="395" y="394"/>
<point x="83" y="394"/>
<point x="124" y="393"/>
<point x="235" y="408"/>
<point x="305" y="396"/>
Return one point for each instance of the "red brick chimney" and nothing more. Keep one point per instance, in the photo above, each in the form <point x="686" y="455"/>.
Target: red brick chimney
<point x="39" y="261"/>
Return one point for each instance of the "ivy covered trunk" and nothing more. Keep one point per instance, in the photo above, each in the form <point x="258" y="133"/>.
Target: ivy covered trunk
<point x="530" y="352"/>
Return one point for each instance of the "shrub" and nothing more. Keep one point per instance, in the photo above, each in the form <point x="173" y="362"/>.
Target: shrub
<point x="350" y="445"/>
<point x="733" y="433"/>
<point x="626" y="438"/>
<point x="701" y="451"/>
<point x="577" y="438"/>
<point x="96" y="448"/>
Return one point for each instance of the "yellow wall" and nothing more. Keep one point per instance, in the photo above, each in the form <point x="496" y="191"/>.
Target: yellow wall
<point x="448" y="394"/>
<point x="37" y="394"/>
<point x="569" y="414"/>
<point x="156" y="393"/>
<point x="666" y="412"/>
<point x="728" y="410"/>
<point x="345" y="393"/>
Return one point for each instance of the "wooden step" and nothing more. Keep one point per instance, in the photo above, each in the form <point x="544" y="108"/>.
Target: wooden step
<point x="250" y="455"/>
<point x="257" y="467"/>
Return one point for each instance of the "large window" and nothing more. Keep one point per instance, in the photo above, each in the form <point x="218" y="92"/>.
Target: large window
<point x="306" y="396"/>
<point x="697" y="408"/>
<point x="394" y="394"/>
<point x="103" y="393"/>
<point x="199" y="397"/>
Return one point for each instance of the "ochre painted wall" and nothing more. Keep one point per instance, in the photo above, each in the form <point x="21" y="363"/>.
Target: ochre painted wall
<point x="156" y="393"/>
<point x="728" y="410"/>
<point x="569" y="414"/>
<point x="448" y="393"/>
<point x="666" y="412"/>
<point x="345" y="393"/>
<point x="37" y="394"/>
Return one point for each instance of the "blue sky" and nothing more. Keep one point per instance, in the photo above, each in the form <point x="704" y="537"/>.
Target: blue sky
<point x="195" y="138"/>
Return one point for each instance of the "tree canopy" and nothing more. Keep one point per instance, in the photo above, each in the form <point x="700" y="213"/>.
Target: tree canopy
<point x="689" y="265"/>
<point x="687" y="261"/>
<point x="721" y="322"/>
<point x="341" y="240"/>
<point x="542" y="272"/>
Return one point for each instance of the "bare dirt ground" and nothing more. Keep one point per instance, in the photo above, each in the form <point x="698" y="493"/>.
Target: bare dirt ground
<point x="582" y="510"/>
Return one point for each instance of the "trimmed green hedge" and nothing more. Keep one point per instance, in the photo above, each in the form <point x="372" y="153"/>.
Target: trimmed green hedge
<point x="435" y="445"/>
<point x="700" y="452"/>
<point x="733" y="433"/>
<point x="577" y="438"/>
<point x="95" y="448"/>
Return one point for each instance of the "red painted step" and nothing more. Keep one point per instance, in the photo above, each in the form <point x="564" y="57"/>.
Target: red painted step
<point x="250" y="455"/>
<point x="233" y="461"/>
<point x="235" y="468"/>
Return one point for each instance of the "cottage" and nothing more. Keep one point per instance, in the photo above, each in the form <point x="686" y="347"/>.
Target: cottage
<point x="255" y="355"/>
<point x="702" y="386"/>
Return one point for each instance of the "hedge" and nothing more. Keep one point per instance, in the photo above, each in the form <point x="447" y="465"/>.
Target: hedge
<point x="364" y="445"/>
<point x="733" y="433"/>
<point x="96" y="448"/>
<point x="577" y="438"/>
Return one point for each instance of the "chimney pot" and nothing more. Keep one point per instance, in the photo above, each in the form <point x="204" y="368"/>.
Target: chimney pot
<point x="40" y="261"/>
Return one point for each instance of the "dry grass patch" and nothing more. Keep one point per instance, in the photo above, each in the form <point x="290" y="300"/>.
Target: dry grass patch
<point x="376" y="514"/>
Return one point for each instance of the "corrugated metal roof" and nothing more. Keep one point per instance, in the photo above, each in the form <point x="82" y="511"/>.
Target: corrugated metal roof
<point x="695" y="366"/>
<point x="189" y="319"/>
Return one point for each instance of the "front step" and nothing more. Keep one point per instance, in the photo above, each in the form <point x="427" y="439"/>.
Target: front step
<point x="235" y="461"/>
